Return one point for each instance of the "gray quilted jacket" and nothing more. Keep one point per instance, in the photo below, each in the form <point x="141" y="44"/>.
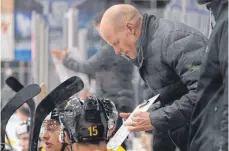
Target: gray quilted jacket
<point x="113" y="76"/>
<point x="209" y="126"/>
<point x="169" y="59"/>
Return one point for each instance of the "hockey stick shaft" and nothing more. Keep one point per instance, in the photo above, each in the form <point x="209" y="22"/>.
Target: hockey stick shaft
<point x="13" y="104"/>
<point x="15" y="85"/>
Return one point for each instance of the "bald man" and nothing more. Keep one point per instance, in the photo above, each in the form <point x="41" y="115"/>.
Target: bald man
<point x="168" y="55"/>
<point x="108" y="70"/>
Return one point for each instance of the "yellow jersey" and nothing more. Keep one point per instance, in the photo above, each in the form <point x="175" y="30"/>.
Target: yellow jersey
<point x="120" y="148"/>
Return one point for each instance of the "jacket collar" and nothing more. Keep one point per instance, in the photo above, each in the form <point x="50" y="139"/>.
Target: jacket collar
<point x="144" y="29"/>
<point x="138" y="61"/>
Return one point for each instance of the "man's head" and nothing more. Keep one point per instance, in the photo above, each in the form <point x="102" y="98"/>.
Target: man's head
<point x="23" y="134"/>
<point x="120" y="27"/>
<point x="52" y="131"/>
<point x="50" y="135"/>
<point x="90" y="121"/>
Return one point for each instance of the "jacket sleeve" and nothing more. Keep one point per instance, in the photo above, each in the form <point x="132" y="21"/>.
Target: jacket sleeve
<point x="183" y="54"/>
<point x="103" y="56"/>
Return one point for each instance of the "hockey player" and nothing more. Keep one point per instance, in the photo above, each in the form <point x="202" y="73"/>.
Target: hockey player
<point x="51" y="133"/>
<point x="90" y="123"/>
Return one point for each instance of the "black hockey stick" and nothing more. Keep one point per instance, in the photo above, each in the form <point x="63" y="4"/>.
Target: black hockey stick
<point x="51" y="101"/>
<point x="13" y="104"/>
<point x="15" y="85"/>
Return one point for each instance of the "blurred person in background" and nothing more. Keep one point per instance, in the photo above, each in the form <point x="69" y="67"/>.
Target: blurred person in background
<point x="22" y="132"/>
<point x="209" y="125"/>
<point x="168" y="55"/>
<point x="21" y="114"/>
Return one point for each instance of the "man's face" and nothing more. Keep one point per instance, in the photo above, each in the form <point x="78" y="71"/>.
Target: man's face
<point x="50" y="136"/>
<point x="24" y="141"/>
<point x="123" y="41"/>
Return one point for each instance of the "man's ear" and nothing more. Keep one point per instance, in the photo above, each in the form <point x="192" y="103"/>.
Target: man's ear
<point x="130" y="28"/>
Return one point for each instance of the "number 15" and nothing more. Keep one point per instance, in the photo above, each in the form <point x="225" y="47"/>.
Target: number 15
<point x="93" y="130"/>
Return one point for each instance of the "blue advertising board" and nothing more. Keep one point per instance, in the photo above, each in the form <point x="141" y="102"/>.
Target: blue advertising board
<point x="22" y="36"/>
<point x="22" y="26"/>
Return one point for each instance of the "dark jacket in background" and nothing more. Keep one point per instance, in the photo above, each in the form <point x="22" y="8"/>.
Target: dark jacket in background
<point x="113" y="76"/>
<point x="209" y="126"/>
<point x="169" y="59"/>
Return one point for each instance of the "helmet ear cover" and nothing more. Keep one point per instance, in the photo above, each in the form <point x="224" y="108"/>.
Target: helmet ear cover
<point x="62" y="134"/>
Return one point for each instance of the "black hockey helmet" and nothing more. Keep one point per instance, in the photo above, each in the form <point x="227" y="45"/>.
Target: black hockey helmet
<point x="90" y="120"/>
